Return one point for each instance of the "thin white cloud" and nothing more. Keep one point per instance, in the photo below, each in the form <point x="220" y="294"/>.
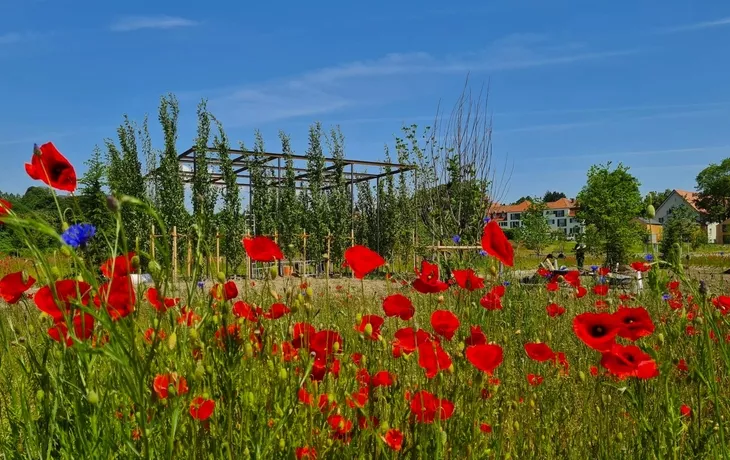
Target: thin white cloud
<point x="132" y="23"/>
<point x="695" y="151"/>
<point x="699" y="26"/>
<point x="371" y="82"/>
<point x="10" y="38"/>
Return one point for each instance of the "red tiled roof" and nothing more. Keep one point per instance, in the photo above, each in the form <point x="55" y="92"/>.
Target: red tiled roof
<point x="562" y="203"/>
<point x="499" y="208"/>
<point x="689" y="197"/>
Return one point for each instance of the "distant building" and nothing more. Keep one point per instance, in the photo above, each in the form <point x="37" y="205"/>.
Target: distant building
<point x="715" y="231"/>
<point x="560" y="215"/>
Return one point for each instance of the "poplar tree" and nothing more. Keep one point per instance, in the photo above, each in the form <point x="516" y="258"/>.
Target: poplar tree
<point x="131" y="183"/>
<point x="290" y="212"/>
<point x="339" y="196"/>
<point x="204" y="194"/>
<point x="365" y="231"/>
<point x="317" y="220"/>
<point x="231" y="216"/>
<point x="92" y="201"/>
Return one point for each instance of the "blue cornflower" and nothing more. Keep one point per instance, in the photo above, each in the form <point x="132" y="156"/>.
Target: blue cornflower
<point x="666" y="297"/>
<point x="78" y="235"/>
<point x="482" y="252"/>
<point x="601" y="280"/>
<point x="486" y="220"/>
<point x="649" y="257"/>
<point x="506" y="283"/>
<point x="594" y="268"/>
<point x="201" y="284"/>
<point x="456" y="239"/>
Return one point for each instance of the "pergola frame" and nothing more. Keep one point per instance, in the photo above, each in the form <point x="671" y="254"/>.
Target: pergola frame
<point x="240" y="162"/>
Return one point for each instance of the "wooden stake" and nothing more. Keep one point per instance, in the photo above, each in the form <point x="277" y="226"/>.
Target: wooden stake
<point x="329" y="254"/>
<point x="352" y="243"/>
<point x="152" y="241"/>
<point x="189" y="262"/>
<point x="304" y="252"/>
<point x="248" y="260"/>
<point x="174" y="254"/>
<point x="217" y="252"/>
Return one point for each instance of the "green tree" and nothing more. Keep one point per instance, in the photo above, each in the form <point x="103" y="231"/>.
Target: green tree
<point x="387" y="218"/>
<point x="171" y="194"/>
<point x="317" y="215"/>
<point x="365" y="216"/>
<point x="681" y="226"/>
<point x="535" y="230"/>
<point x="150" y="157"/>
<point x="131" y="183"/>
<point x="204" y="194"/>
<point x="338" y="196"/>
<point x="713" y="185"/>
<point x="522" y="199"/>
<point x="549" y="196"/>
<point x="230" y="216"/>
<point x="405" y="203"/>
<point x="92" y="202"/>
<point x="290" y="211"/>
<point x="608" y="203"/>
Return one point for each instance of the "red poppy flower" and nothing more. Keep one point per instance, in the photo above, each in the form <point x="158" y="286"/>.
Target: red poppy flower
<point x="640" y="266"/>
<point x="340" y="426"/>
<point x="398" y="305"/>
<point x="491" y="301"/>
<point x="496" y="244"/>
<point x="306" y="453"/>
<point x="603" y="271"/>
<point x="370" y="326"/>
<point x="444" y="323"/>
<point x="230" y="290"/>
<point x="485" y="428"/>
<point x="600" y="289"/>
<point x="83" y="325"/>
<point x="534" y="379"/>
<point x="5" y="207"/>
<point x="359" y="398"/>
<point x="188" y="317"/>
<point x="539" y="352"/>
<point x="722" y="303"/>
<point x="629" y="361"/>
<point x="428" y="281"/>
<point x="477" y="337"/>
<point x="149" y="335"/>
<point x="305" y="397"/>
<point x="673" y="285"/>
<point x="51" y="168"/>
<point x="580" y="292"/>
<point x="552" y="286"/>
<point x="276" y="311"/>
<point x="427" y="408"/>
<point x="594" y="371"/>
<point x="243" y="310"/>
<point x="486" y="358"/>
<point x="685" y="410"/>
<point x="597" y="330"/>
<point x="118" y="266"/>
<point x="572" y="278"/>
<point x="201" y="409"/>
<point x="118" y="296"/>
<point x="682" y="366"/>
<point x="160" y="304"/>
<point x="13" y="285"/>
<point x="302" y="334"/>
<point x="67" y="292"/>
<point x="554" y="310"/>
<point x="324" y="343"/>
<point x="262" y="249"/>
<point x="635" y="323"/>
<point x="394" y="439"/>
<point x="161" y="385"/>
<point x="467" y="279"/>
<point x="432" y="358"/>
<point x="382" y="379"/>
<point x="362" y="260"/>
<point x="407" y="340"/>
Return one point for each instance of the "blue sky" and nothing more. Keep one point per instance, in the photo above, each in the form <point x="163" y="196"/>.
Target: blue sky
<point x="573" y="83"/>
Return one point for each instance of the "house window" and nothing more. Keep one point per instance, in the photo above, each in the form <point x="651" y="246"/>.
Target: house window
<point x="552" y="221"/>
<point x="514" y="224"/>
<point x="562" y="223"/>
<point x="560" y="213"/>
<point x="515" y="216"/>
<point x="725" y="228"/>
<point x="503" y="224"/>
<point x="661" y="220"/>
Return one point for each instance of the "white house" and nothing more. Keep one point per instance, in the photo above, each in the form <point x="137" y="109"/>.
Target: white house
<point x="560" y="215"/>
<point x="687" y="199"/>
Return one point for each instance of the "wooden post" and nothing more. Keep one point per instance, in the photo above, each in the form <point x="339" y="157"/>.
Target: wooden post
<point x="352" y="243"/>
<point x="189" y="262"/>
<point x="248" y="260"/>
<point x="304" y="253"/>
<point x="152" y="241"/>
<point x="217" y="251"/>
<point x="415" y="249"/>
<point x="329" y="254"/>
<point x="174" y="254"/>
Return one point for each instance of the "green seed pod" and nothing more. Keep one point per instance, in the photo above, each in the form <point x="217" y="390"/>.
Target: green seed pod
<point x="199" y="372"/>
<point x="134" y="263"/>
<point x="336" y="347"/>
<point x="273" y="272"/>
<point x="282" y="444"/>
<point x="516" y="425"/>
<point x="112" y="203"/>
<point x="172" y="341"/>
<point x="216" y="319"/>
<point x="283" y="374"/>
<point x="65" y="226"/>
<point x="39" y="395"/>
<point x="92" y="397"/>
<point x="650" y="211"/>
<point x="155" y="323"/>
<point x="309" y="293"/>
<point x="368" y="329"/>
<point x="154" y="268"/>
<point x="248" y="350"/>
<point x="582" y="376"/>
<point x="66" y="250"/>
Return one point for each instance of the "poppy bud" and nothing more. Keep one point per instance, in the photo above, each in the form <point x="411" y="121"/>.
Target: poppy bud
<point x="66" y="250"/>
<point x="582" y="376"/>
<point x="112" y="203"/>
<point x="193" y="333"/>
<point x="92" y="397"/>
<point x="282" y="444"/>
<point x="358" y="317"/>
<point x="444" y="437"/>
<point x="384" y="426"/>
<point x="154" y="268"/>
<point x="216" y="319"/>
<point x="516" y="425"/>
<point x="620" y="436"/>
<point x="221" y="277"/>
<point x="493" y="270"/>
<point x="650" y="211"/>
<point x="532" y="403"/>
<point x="199" y="372"/>
<point x="368" y="329"/>
<point x="273" y="272"/>
<point x="441" y="299"/>
<point x="248" y="349"/>
<point x="134" y="263"/>
<point x="309" y="293"/>
<point x="39" y="395"/>
<point x="660" y="336"/>
<point x="300" y="298"/>
<point x="549" y="335"/>
<point x="172" y="341"/>
<point x="336" y="345"/>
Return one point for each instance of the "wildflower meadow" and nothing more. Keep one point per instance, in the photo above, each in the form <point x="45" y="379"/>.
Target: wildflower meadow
<point x="462" y="363"/>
